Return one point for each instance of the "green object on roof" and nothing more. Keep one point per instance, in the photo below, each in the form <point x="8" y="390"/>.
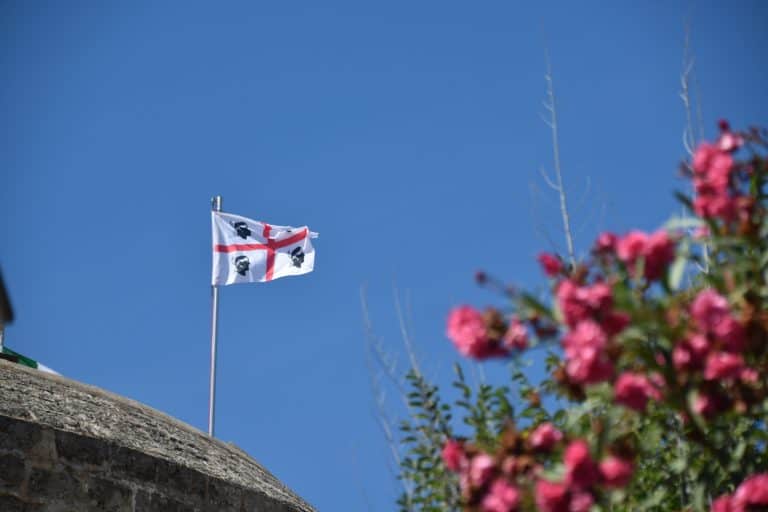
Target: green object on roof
<point x="26" y="361"/>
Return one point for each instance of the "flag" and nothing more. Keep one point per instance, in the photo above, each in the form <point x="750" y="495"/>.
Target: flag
<point x="249" y="251"/>
<point x="18" y="358"/>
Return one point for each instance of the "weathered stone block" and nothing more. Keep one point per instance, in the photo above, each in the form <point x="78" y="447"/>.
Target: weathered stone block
<point x="18" y="435"/>
<point x="222" y="496"/>
<point x="151" y="502"/>
<point x="181" y="481"/>
<point x="12" y="471"/>
<point x="51" y="485"/>
<point x="133" y="465"/>
<point x="10" y="503"/>
<point x="253" y="501"/>
<point x="107" y="496"/>
<point x="76" y="449"/>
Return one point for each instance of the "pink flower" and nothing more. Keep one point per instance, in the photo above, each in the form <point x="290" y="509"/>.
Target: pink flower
<point x="453" y="455"/>
<point x="752" y="492"/>
<point x="589" y="369"/>
<point x="715" y="205"/>
<point x="732" y="333"/>
<point x="580" y="469"/>
<point x="616" y="472"/>
<point x="722" y="365"/>
<point x="586" y="361"/>
<point x="573" y="307"/>
<point x="581" y="302"/>
<point x="681" y="357"/>
<point x="581" y="502"/>
<point x="709" y="309"/>
<point x="545" y="437"/>
<point x="708" y="404"/>
<point x="631" y="246"/>
<point x="730" y="141"/>
<point x="481" y="469"/>
<point x="599" y="296"/>
<point x="633" y="390"/>
<point x="615" y="322"/>
<point x="722" y="504"/>
<point x="501" y="497"/>
<point x="702" y="157"/>
<point x="720" y="167"/>
<point x="606" y="242"/>
<point x="749" y="375"/>
<point x="467" y="331"/>
<point x="551" y="264"/>
<point x="712" y="162"/>
<point x="657" y="251"/>
<point x="516" y="336"/>
<point x="551" y="496"/>
<point x="659" y="254"/>
<point x="713" y="167"/>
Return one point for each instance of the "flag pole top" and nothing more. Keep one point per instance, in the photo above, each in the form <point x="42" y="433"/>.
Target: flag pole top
<point x="216" y="203"/>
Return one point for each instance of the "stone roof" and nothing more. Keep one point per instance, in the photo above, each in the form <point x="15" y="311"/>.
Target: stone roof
<point x="70" y="406"/>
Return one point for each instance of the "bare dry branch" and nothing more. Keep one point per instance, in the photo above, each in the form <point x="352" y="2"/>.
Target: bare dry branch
<point x="551" y="106"/>
<point x="547" y="179"/>
<point x="689" y="134"/>
<point x="375" y="354"/>
<point x="405" y="333"/>
<point x="538" y="228"/>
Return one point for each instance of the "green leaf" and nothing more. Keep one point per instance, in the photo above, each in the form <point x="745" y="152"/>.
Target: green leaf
<point x="685" y="223"/>
<point x="684" y="200"/>
<point x="677" y="269"/>
<point x="532" y="303"/>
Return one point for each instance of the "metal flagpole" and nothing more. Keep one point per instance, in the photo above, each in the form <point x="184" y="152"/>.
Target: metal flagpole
<point x="215" y="206"/>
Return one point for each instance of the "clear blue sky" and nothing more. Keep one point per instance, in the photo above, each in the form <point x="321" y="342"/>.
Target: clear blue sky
<point x="408" y="134"/>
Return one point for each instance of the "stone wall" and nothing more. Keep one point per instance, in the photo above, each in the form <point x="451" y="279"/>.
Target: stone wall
<point x="67" y="447"/>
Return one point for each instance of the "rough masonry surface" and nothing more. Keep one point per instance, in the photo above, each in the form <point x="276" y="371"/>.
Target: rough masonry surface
<point x="69" y="447"/>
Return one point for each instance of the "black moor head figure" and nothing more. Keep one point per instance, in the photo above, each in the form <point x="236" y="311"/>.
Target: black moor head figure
<point x="242" y="264"/>
<point x="242" y="229"/>
<point x="297" y="257"/>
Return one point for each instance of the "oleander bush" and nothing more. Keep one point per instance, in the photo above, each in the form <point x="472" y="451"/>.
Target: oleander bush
<point x="656" y="395"/>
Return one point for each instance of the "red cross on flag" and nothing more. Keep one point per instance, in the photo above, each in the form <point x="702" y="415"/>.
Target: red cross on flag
<point x="249" y="251"/>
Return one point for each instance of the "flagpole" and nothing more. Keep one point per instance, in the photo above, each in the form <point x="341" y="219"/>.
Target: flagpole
<point x="215" y="206"/>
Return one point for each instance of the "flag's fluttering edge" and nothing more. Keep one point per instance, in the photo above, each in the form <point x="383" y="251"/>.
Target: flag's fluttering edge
<point x="249" y="251"/>
<point x="18" y="358"/>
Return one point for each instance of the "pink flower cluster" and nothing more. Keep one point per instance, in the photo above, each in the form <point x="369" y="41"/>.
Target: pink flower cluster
<point x="551" y="264"/>
<point x="588" y="312"/>
<point x="545" y="437"/>
<point x="582" y="474"/>
<point x="713" y="168"/>
<point x="712" y="349"/>
<point x="480" y="478"/>
<point x="752" y="494"/>
<point x="493" y="482"/>
<point x="657" y="251"/>
<point x="633" y="390"/>
<point x="472" y="336"/>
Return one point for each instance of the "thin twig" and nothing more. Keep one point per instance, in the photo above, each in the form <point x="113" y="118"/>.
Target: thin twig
<point x="538" y="227"/>
<point x="552" y="108"/>
<point x="689" y="139"/>
<point x="405" y="334"/>
<point x="689" y="135"/>
<point x="376" y="352"/>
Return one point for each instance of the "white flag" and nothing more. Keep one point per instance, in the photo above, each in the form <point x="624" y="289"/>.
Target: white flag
<point x="249" y="251"/>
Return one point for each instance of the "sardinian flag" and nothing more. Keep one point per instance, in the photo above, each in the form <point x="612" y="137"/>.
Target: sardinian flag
<point x="249" y="251"/>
